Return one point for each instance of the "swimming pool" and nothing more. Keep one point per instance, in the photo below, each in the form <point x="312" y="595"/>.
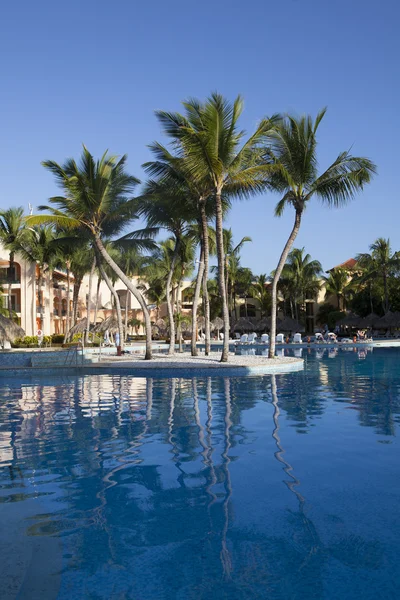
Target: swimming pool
<point x="280" y="486"/>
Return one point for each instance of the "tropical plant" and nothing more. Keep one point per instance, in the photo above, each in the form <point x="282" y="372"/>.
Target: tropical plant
<point x="232" y="265"/>
<point x="209" y="138"/>
<point x="164" y="206"/>
<point x="380" y="264"/>
<point x="260" y="291"/>
<point x="12" y="232"/>
<point x="38" y="246"/>
<point x="172" y="174"/>
<point x="292" y="149"/>
<point x="301" y="275"/>
<point x="97" y="200"/>
<point x="338" y="283"/>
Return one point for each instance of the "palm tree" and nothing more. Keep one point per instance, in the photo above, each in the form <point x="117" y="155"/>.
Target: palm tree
<point x="164" y="206"/>
<point x="12" y="231"/>
<point x="171" y="173"/>
<point x="301" y="274"/>
<point x="338" y="284"/>
<point x="292" y="148"/>
<point x="379" y="264"/>
<point x="259" y="291"/>
<point x="209" y="138"/>
<point x="39" y="247"/>
<point x="96" y="199"/>
<point x="80" y="264"/>
<point x="232" y="262"/>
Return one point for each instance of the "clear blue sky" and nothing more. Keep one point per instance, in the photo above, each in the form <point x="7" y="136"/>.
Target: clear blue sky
<point x="93" y="72"/>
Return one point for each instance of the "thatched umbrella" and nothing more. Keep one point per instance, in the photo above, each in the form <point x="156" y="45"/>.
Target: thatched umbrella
<point x="110" y="324"/>
<point x="265" y="324"/>
<point x="217" y="324"/>
<point x="244" y="324"/>
<point x="79" y="327"/>
<point x="349" y="320"/>
<point x="289" y="324"/>
<point x="9" y="330"/>
<point x="370" y="321"/>
<point x="391" y="319"/>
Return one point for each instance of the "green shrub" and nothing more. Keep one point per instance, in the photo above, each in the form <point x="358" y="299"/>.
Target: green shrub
<point x="57" y="338"/>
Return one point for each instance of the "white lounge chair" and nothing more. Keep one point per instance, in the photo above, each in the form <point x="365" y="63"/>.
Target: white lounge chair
<point x="319" y="337"/>
<point x="244" y="338"/>
<point x="280" y="338"/>
<point x="331" y="337"/>
<point x="237" y="336"/>
<point x="252" y="338"/>
<point x="297" y="338"/>
<point x="7" y="345"/>
<point x="265" y="338"/>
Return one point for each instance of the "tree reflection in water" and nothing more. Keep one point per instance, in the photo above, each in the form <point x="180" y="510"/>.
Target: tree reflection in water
<point x="139" y="479"/>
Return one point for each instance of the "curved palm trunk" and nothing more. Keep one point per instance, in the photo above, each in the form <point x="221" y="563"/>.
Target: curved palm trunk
<point x="127" y="298"/>
<point x="196" y="298"/>
<point x="277" y="275"/>
<point x="41" y="296"/>
<point x="96" y="306"/>
<point x="116" y="301"/>
<point x="68" y="315"/>
<point x="170" y="307"/>
<point x="371" y="304"/>
<point x="75" y="300"/>
<point x="206" y="299"/>
<point x="10" y="282"/>
<point x="132" y="288"/>
<point x="221" y="275"/>
<point x="386" y="292"/>
<point x="89" y="300"/>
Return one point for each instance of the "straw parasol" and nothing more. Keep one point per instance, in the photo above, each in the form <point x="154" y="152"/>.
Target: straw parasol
<point x="370" y="321"/>
<point x="110" y="324"/>
<point x="289" y="324"/>
<point x="391" y="319"/>
<point x="244" y="324"/>
<point x="9" y="330"/>
<point x="79" y="327"/>
<point x="350" y="320"/>
<point x="265" y="324"/>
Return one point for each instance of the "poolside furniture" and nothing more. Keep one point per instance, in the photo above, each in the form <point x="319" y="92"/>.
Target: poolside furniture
<point x="297" y="338"/>
<point x="244" y="338"/>
<point x="237" y="336"/>
<point x="319" y="337"/>
<point x="7" y="345"/>
<point x="280" y="338"/>
<point x="331" y="337"/>
<point x="251" y="338"/>
<point x="265" y="338"/>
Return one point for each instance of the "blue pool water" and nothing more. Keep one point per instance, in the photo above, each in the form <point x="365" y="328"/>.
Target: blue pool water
<point x="283" y="487"/>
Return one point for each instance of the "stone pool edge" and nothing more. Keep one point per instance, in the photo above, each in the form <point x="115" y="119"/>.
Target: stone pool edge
<point x="142" y="368"/>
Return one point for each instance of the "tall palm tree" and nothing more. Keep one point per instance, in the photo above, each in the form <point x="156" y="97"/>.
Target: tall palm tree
<point x="260" y="291"/>
<point x="209" y="138"/>
<point x="12" y="231"/>
<point x="292" y="148"/>
<point x="338" y="284"/>
<point x="302" y="276"/>
<point x="379" y="264"/>
<point x="39" y="247"/>
<point x="96" y="199"/>
<point x="164" y="207"/>
<point x="171" y="172"/>
<point x="232" y="262"/>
